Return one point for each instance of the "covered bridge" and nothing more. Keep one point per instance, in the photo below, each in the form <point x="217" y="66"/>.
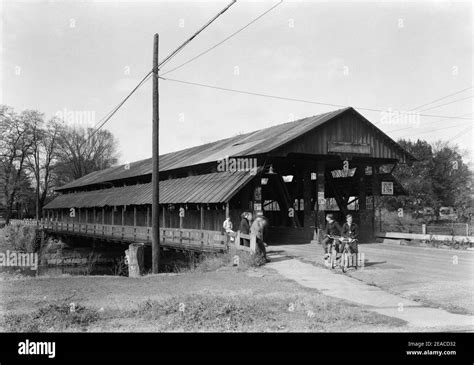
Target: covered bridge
<point x="294" y="172"/>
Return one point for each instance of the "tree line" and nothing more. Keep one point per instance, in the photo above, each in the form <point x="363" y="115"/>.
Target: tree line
<point x="439" y="178"/>
<point x="38" y="155"/>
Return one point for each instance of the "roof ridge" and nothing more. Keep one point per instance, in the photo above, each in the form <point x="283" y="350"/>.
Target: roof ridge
<point x="205" y="153"/>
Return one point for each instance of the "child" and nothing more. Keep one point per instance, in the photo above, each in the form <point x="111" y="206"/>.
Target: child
<point x="227" y="225"/>
<point x="351" y="230"/>
<point x="332" y="228"/>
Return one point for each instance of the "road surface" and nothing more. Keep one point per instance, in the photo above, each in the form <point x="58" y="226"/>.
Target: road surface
<point x="440" y="278"/>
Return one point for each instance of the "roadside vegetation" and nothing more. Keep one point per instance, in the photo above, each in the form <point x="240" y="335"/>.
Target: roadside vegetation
<point x="230" y="298"/>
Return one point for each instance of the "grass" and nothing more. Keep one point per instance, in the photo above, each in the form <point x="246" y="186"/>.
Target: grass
<point x="250" y="313"/>
<point x="54" y="317"/>
<point x="230" y="299"/>
<point x="207" y="313"/>
<point x="210" y="262"/>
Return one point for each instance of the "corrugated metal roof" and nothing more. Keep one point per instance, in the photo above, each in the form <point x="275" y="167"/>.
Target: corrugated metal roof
<point x="217" y="187"/>
<point x="254" y="143"/>
<point x="258" y="142"/>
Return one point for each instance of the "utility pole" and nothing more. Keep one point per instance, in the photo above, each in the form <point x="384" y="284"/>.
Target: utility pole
<point x="155" y="177"/>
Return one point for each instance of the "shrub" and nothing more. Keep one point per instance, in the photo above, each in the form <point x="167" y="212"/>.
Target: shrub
<point x="54" y="317"/>
<point x="25" y="238"/>
<point x="208" y="262"/>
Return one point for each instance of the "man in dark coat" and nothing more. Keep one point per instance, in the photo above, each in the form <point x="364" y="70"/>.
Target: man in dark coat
<point x="244" y="227"/>
<point x="259" y="228"/>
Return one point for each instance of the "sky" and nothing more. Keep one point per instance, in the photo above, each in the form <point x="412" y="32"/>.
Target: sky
<point x="79" y="59"/>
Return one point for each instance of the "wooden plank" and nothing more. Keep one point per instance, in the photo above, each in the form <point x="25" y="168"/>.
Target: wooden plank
<point x="201" y="225"/>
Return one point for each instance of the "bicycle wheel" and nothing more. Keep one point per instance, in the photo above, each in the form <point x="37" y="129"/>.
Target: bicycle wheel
<point x="344" y="262"/>
<point x="332" y="259"/>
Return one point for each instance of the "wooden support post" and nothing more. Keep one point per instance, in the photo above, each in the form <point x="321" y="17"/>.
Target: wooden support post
<point x="362" y="190"/>
<point x="147" y="216"/>
<point x="87" y="216"/>
<point x="321" y="200"/>
<point x="103" y="216"/>
<point x="363" y="218"/>
<point x="258" y="196"/>
<point x="164" y="216"/>
<point x="253" y="243"/>
<point x="202" y="217"/>
<point x="79" y="218"/>
<point x="245" y="197"/>
<point x="309" y="221"/>
<point x="113" y="215"/>
<point x="134" y="215"/>
<point x="375" y="197"/>
<point x="123" y="215"/>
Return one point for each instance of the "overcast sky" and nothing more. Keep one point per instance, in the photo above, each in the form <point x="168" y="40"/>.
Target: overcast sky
<point x="84" y="57"/>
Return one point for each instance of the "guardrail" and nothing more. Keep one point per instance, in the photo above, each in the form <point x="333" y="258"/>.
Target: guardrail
<point x="450" y="229"/>
<point x="28" y="222"/>
<point x="252" y="239"/>
<point x="425" y="237"/>
<point x="188" y="239"/>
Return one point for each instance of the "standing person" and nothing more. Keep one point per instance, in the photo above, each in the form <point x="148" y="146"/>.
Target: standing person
<point x="332" y="228"/>
<point x="350" y="230"/>
<point x="259" y="228"/>
<point x="227" y="225"/>
<point x="244" y="227"/>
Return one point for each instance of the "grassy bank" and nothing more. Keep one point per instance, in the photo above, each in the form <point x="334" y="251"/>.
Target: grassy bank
<point x="229" y="299"/>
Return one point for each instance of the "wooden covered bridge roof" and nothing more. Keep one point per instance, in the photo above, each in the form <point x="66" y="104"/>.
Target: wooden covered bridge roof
<point x="216" y="187"/>
<point x="260" y="142"/>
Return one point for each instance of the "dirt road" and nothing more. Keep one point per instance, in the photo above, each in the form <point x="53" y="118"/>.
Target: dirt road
<point x="436" y="277"/>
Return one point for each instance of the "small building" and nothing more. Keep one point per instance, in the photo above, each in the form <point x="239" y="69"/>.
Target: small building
<point x="295" y="173"/>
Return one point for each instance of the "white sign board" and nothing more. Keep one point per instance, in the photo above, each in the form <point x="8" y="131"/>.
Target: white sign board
<point x="387" y="188"/>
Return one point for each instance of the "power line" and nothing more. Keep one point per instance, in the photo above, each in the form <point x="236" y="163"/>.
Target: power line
<point x="148" y="75"/>
<point x="449" y="102"/>
<point x="224" y="40"/>
<point x="444" y="97"/>
<point x="433" y="130"/>
<point x="460" y="134"/>
<point x="436" y="121"/>
<point x="174" y="53"/>
<point x="293" y="99"/>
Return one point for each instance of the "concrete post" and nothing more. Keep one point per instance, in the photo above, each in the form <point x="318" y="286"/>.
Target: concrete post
<point x="136" y="259"/>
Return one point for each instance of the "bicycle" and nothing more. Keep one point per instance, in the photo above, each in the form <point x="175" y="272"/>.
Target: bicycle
<point x="341" y="259"/>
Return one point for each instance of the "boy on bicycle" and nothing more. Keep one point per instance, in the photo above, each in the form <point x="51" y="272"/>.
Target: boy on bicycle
<point x="332" y="228"/>
<point x="350" y="230"/>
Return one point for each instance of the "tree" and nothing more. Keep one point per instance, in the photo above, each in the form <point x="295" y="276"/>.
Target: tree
<point x="439" y="178"/>
<point x="416" y="179"/>
<point x="450" y="177"/>
<point x="41" y="161"/>
<point x="15" y="147"/>
<point x="36" y="157"/>
<point x="80" y="152"/>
